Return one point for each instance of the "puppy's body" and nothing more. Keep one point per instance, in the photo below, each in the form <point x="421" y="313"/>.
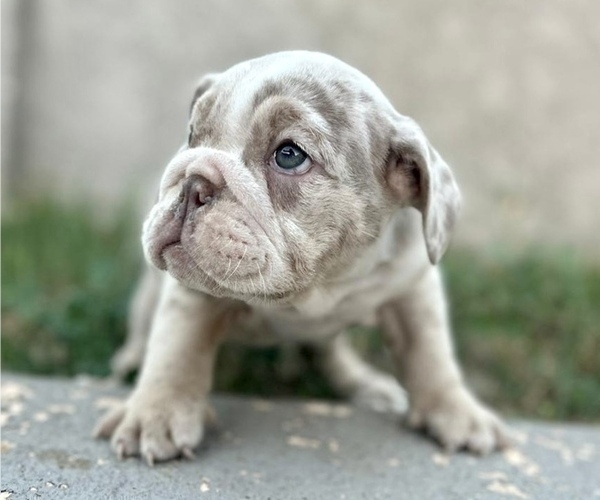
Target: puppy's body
<point x="302" y="204"/>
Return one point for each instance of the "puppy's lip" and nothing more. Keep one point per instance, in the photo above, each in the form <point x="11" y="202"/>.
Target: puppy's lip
<point x="178" y="262"/>
<point x="168" y="235"/>
<point x="164" y="249"/>
<point x="277" y="299"/>
<point x="260" y="298"/>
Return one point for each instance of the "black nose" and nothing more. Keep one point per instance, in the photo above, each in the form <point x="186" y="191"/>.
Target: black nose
<point x="197" y="191"/>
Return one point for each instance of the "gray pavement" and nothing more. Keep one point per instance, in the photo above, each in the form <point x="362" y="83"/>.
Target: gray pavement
<point x="276" y="450"/>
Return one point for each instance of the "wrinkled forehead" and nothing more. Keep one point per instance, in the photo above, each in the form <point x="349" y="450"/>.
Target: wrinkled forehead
<point x="310" y="77"/>
<point x="317" y="95"/>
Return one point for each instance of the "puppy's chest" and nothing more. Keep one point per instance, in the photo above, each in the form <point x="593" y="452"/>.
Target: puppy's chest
<point x="324" y="311"/>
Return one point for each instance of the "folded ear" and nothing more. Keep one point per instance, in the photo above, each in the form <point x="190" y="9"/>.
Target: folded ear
<point x="206" y="82"/>
<point x="419" y="177"/>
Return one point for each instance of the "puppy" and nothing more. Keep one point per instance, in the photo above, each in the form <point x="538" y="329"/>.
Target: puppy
<point x="303" y="203"/>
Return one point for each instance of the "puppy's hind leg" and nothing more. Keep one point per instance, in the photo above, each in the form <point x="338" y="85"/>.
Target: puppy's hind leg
<point x="141" y="312"/>
<point x="354" y="378"/>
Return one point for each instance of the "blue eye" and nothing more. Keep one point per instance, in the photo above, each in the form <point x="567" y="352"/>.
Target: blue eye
<point x="289" y="156"/>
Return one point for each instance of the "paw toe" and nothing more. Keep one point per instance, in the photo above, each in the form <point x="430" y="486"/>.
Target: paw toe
<point x="481" y="439"/>
<point x="126" y="439"/>
<point x="187" y="430"/>
<point x="108" y="423"/>
<point x="156" y="444"/>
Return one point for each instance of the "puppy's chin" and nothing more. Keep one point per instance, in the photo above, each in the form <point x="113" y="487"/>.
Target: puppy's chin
<point x="250" y="288"/>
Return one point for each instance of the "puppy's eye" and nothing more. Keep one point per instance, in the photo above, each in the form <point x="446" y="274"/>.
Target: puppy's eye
<point x="291" y="159"/>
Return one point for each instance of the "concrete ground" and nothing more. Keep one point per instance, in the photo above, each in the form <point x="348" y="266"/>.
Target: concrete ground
<point x="276" y="450"/>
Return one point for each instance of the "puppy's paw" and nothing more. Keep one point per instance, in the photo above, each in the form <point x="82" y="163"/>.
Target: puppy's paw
<point x="381" y="393"/>
<point x="157" y="428"/>
<point x="458" y="421"/>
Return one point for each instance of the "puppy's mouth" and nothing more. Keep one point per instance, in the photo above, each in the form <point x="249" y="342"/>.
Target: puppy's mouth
<point x="176" y="246"/>
<point x="221" y="250"/>
<point x="168" y="237"/>
<point x="183" y="267"/>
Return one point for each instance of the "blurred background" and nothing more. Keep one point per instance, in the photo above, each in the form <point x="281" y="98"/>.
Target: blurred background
<point x="95" y="98"/>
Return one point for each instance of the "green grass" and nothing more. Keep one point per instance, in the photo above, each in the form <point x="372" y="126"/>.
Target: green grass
<point x="527" y="327"/>
<point x="66" y="279"/>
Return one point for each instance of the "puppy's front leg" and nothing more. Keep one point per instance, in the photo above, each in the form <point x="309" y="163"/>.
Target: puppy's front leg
<point x="164" y="416"/>
<point x="353" y="377"/>
<point x="416" y="327"/>
<point x="141" y="313"/>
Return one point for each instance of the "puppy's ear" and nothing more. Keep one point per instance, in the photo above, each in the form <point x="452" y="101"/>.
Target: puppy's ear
<point x="206" y="82"/>
<point x="419" y="177"/>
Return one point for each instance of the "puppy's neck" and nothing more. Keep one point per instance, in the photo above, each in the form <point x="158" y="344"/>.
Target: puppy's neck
<point x="396" y="232"/>
<point x="376" y="263"/>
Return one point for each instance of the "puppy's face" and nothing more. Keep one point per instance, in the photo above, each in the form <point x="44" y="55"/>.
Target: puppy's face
<point x="294" y="163"/>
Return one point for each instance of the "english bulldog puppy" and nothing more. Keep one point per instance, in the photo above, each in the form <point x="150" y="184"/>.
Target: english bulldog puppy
<point x="303" y="203"/>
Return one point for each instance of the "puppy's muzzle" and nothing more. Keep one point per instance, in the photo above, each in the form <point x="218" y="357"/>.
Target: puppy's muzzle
<point x="213" y="219"/>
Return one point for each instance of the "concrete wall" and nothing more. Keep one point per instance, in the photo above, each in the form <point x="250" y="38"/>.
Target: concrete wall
<point x="95" y="95"/>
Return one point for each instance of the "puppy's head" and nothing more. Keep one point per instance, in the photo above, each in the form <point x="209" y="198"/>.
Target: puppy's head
<point x="294" y="163"/>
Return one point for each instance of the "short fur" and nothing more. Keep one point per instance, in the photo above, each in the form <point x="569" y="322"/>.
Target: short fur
<point x="239" y="248"/>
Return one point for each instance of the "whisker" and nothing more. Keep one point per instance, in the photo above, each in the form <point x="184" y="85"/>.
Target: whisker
<point x="368" y="234"/>
<point x="263" y="282"/>
<point x="238" y="264"/>
<point x="228" y="266"/>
